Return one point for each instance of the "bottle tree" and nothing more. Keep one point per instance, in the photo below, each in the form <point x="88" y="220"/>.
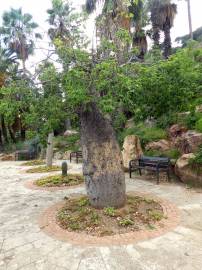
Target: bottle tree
<point x="92" y="84"/>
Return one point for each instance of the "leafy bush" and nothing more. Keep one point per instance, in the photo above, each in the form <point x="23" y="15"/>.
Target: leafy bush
<point x="172" y="153"/>
<point x="67" y="143"/>
<point x="197" y="160"/>
<point x="146" y="134"/>
<point x="166" y="120"/>
<point x="199" y="125"/>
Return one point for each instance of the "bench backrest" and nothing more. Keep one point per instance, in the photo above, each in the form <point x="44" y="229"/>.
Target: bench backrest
<point x="145" y="161"/>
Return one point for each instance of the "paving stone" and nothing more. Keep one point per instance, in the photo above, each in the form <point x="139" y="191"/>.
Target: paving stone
<point x="24" y="246"/>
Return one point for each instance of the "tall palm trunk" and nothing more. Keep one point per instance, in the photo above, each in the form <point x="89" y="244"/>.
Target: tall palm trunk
<point x="4" y="129"/>
<point x="1" y="140"/>
<point x="49" y="151"/>
<point x="190" y="19"/>
<point x="167" y="41"/>
<point x="156" y="35"/>
<point x="12" y="135"/>
<point x="102" y="160"/>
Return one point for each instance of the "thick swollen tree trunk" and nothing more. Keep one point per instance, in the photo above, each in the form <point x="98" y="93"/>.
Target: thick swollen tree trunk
<point x="49" y="150"/>
<point x="102" y="160"/>
<point x="167" y="41"/>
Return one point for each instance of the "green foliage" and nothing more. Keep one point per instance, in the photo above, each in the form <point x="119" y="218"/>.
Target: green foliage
<point x="59" y="180"/>
<point x="199" y="125"/>
<point x="44" y="169"/>
<point x="197" y="160"/>
<point x="109" y="211"/>
<point x="165" y="87"/>
<point x="126" y="222"/>
<point x="67" y="143"/>
<point x="146" y="134"/>
<point x="155" y="215"/>
<point x="172" y="153"/>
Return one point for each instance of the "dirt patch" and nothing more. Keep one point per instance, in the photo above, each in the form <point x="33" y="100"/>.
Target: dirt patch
<point x="60" y="181"/>
<point x="44" y="169"/>
<point x="153" y="218"/>
<point x="138" y="213"/>
<point x="33" y="163"/>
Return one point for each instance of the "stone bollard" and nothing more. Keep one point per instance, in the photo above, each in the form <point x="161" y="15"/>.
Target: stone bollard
<point x="64" y="168"/>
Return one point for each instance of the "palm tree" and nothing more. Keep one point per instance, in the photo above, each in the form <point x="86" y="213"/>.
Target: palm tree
<point x="58" y="17"/>
<point x="167" y="12"/>
<point x="116" y="15"/>
<point x="7" y="63"/>
<point x="18" y="33"/>
<point x="190" y="19"/>
<point x="153" y="7"/>
<point x="163" y="13"/>
<point x="137" y="8"/>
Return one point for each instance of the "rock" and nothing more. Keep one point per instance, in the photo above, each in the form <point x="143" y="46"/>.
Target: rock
<point x="189" y="142"/>
<point x="62" y="156"/>
<point x="176" y="131"/>
<point x="199" y="108"/>
<point x="130" y="123"/>
<point x="186" y="172"/>
<point x="131" y="150"/>
<point x="150" y="123"/>
<point x="162" y="145"/>
<point x="70" y="132"/>
<point x="7" y="157"/>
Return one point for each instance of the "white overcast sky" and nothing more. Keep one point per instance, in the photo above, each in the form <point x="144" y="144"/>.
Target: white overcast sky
<point x="38" y="10"/>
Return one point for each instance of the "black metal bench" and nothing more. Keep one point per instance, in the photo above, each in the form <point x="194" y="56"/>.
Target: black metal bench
<point x="77" y="155"/>
<point x="156" y="164"/>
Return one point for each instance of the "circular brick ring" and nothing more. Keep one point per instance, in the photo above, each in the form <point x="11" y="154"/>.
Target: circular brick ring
<point x="48" y="224"/>
<point x="32" y="185"/>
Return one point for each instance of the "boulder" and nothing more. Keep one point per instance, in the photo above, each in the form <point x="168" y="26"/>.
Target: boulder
<point x="186" y="172"/>
<point x="130" y="123"/>
<point x="188" y="142"/>
<point x="70" y="132"/>
<point x="199" y="108"/>
<point x="162" y="145"/>
<point x="176" y="131"/>
<point x="7" y="157"/>
<point x="131" y="150"/>
<point x="62" y="156"/>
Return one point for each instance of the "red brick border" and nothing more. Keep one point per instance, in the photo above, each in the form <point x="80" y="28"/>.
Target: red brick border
<point x="49" y="225"/>
<point x="31" y="185"/>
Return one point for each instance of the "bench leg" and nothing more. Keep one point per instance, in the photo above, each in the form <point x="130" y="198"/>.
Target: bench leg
<point x="157" y="176"/>
<point x="70" y="158"/>
<point x="130" y="173"/>
<point x="140" y="172"/>
<point x="168" y="175"/>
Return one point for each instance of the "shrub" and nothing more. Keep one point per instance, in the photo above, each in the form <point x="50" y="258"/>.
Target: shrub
<point x="146" y="134"/>
<point x="67" y="143"/>
<point x="197" y="160"/>
<point x="172" y="153"/>
<point x="198" y="125"/>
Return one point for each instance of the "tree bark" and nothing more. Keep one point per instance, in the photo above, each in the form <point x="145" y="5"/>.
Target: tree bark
<point x="167" y="41"/>
<point x="1" y="141"/>
<point x="102" y="160"/>
<point x="190" y="19"/>
<point x="4" y="130"/>
<point x="49" y="151"/>
<point x="12" y="135"/>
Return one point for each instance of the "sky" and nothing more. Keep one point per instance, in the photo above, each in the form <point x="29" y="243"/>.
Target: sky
<point x="38" y="10"/>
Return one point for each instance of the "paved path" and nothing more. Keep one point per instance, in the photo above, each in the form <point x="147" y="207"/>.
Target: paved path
<point x="24" y="246"/>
